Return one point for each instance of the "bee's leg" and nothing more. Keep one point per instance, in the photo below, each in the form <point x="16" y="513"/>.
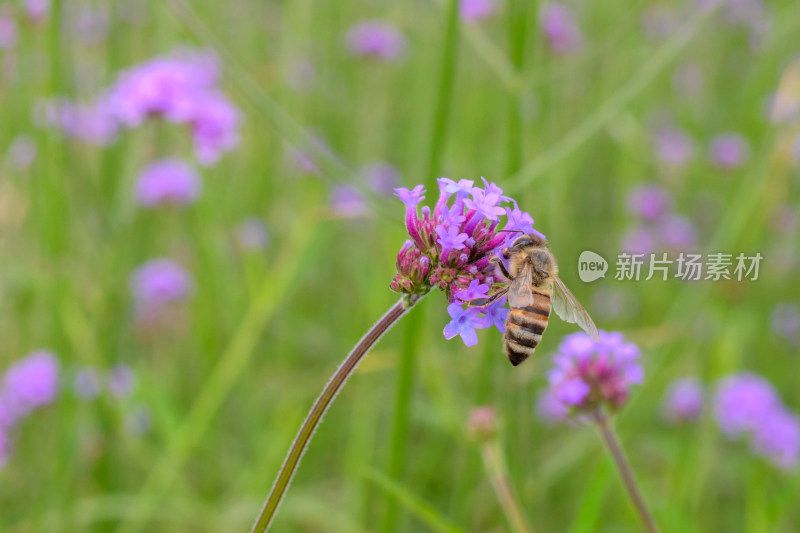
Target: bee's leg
<point x="503" y="268"/>
<point x="507" y="251"/>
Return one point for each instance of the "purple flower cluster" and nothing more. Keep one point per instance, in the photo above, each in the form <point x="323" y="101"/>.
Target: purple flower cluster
<point x="472" y="11"/>
<point x="589" y="374"/>
<point x="683" y="401"/>
<point x="28" y="384"/>
<point x="657" y="226"/>
<point x="181" y="89"/>
<point x="167" y="182"/>
<point x="157" y="284"/>
<point x="377" y="39"/>
<point x="89" y="381"/>
<point x="729" y="151"/>
<point x="561" y="29"/>
<point x="748" y="404"/>
<point x="673" y="146"/>
<point x="451" y="248"/>
<point x="8" y="30"/>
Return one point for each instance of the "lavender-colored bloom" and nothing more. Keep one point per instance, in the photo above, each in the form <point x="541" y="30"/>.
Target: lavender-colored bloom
<point x="347" y="201"/>
<point x="93" y="124"/>
<point x="451" y="237"/>
<point x="588" y="373"/>
<point x="252" y="234"/>
<point x="86" y="383"/>
<point x="475" y="290"/>
<point x="729" y="151"/>
<point x="639" y="240"/>
<point x="464" y="323"/>
<point x="482" y="423"/>
<point x="683" y="400"/>
<point x="485" y="203"/>
<point x="380" y="176"/>
<point x="30" y="383"/>
<point x="677" y="232"/>
<point x="36" y="10"/>
<point x="410" y="197"/>
<point x="168" y="181"/>
<point x="121" y="381"/>
<point x="378" y="39"/>
<point x="476" y="10"/>
<point x="785" y="321"/>
<point x="649" y="201"/>
<point x="215" y="127"/>
<point x="158" y="282"/>
<point x="461" y="188"/>
<point x="742" y="401"/>
<point x="22" y="152"/>
<point x="777" y="437"/>
<point x="550" y="408"/>
<point x="8" y="30"/>
<point x="673" y="146"/>
<point x="497" y="313"/>
<point x="561" y="28"/>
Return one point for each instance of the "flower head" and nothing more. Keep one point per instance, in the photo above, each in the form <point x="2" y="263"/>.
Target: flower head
<point x="778" y="439"/>
<point x="742" y="401"/>
<point x="375" y="38"/>
<point x="159" y="282"/>
<point x="729" y="151"/>
<point x="30" y="383"/>
<point x="168" y="181"/>
<point x="683" y="400"/>
<point x="86" y="383"/>
<point x="476" y="10"/>
<point x="121" y="380"/>
<point x="36" y="10"/>
<point x="673" y="146"/>
<point x="380" y="176"/>
<point x="561" y="28"/>
<point x="452" y="246"/>
<point x="650" y="202"/>
<point x="348" y="202"/>
<point x="8" y="30"/>
<point x="252" y="234"/>
<point x="589" y="374"/>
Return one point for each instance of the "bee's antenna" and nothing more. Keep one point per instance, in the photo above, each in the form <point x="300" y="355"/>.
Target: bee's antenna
<point x="511" y="231"/>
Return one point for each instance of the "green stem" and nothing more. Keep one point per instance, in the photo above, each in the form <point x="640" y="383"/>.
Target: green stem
<point x="320" y="407"/>
<point x="518" y="19"/>
<point x="624" y="469"/>
<point x="496" y="468"/>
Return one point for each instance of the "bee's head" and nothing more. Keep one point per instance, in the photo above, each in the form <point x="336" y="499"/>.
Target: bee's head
<point x="529" y="241"/>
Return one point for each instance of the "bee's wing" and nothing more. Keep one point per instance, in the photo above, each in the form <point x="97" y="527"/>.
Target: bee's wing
<point x="570" y="309"/>
<point x="520" y="292"/>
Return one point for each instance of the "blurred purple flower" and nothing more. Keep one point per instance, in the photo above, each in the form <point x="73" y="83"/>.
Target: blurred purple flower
<point x="476" y="10"/>
<point x="381" y="177"/>
<point x="90" y="26"/>
<point x="638" y="240"/>
<point x="30" y="383"/>
<point x="729" y="150"/>
<point x="683" y="400"/>
<point x="347" y="201"/>
<point x="121" y="380"/>
<point x="215" y="127"/>
<point x="588" y="374"/>
<point x="742" y="401"/>
<point x="550" y="408"/>
<point x="677" y="232"/>
<point x="86" y="383"/>
<point x="649" y="201"/>
<point x="778" y="439"/>
<point x="22" y="152"/>
<point x="785" y="321"/>
<point x="375" y="38"/>
<point x="167" y="182"/>
<point x="159" y="282"/>
<point x="36" y="10"/>
<point x="8" y="30"/>
<point x="673" y="146"/>
<point x="561" y="28"/>
<point x="93" y="124"/>
<point x="252" y="234"/>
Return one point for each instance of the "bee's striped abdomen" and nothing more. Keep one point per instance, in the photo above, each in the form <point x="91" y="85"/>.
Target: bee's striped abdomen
<point x="525" y="326"/>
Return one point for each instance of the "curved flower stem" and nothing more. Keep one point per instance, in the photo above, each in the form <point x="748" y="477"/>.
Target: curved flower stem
<point x="624" y="469"/>
<point x="495" y="465"/>
<point x="321" y="406"/>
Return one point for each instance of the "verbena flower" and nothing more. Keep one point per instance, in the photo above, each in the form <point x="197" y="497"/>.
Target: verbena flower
<point x="90" y="123"/>
<point x="785" y="321"/>
<point x="347" y="201"/>
<point x="167" y="181"/>
<point x="380" y="176"/>
<point x="476" y="10"/>
<point x="683" y="400"/>
<point x="22" y="152"/>
<point x="30" y="383"/>
<point x="159" y="282"/>
<point x="729" y="150"/>
<point x="588" y="374"/>
<point x="650" y="202"/>
<point x="8" y="30"/>
<point x="87" y="384"/>
<point x="747" y="404"/>
<point x="451" y="248"/>
<point x="375" y="38"/>
<point x="550" y="408"/>
<point x="561" y="28"/>
<point x="742" y="401"/>
<point x="673" y="146"/>
<point x="36" y="10"/>
<point x="121" y="380"/>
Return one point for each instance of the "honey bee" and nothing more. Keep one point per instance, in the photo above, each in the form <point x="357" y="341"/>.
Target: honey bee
<point x="534" y="290"/>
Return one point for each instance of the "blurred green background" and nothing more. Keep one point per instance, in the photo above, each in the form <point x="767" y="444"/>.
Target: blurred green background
<point x="223" y="381"/>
